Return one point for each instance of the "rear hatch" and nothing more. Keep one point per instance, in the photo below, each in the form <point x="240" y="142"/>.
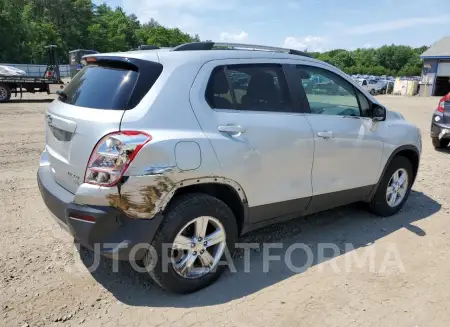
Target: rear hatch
<point x="90" y="107"/>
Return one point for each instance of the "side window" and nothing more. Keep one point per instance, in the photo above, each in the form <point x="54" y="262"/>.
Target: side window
<point x="252" y="87"/>
<point x="218" y="93"/>
<point x="364" y="104"/>
<point x="327" y="92"/>
<point x="364" y="83"/>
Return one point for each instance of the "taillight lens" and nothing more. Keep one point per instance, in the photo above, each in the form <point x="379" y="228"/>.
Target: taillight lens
<point x="112" y="155"/>
<point x="441" y="105"/>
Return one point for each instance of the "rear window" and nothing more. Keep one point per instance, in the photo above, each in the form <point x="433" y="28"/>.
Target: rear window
<point x="111" y="85"/>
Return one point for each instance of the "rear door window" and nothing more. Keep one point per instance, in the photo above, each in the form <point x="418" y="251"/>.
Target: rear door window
<point x="249" y="87"/>
<point x="113" y="86"/>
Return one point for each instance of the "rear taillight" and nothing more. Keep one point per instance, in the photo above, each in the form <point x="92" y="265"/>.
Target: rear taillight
<point x="440" y="107"/>
<point x="112" y="155"/>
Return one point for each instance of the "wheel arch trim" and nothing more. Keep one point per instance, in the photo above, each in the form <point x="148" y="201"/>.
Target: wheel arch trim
<point x="394" y="153"/>
<point x="145" y="196"/>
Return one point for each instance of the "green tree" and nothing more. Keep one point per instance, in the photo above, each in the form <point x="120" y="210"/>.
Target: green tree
<point x="387" y="60"/>
<point x="27" y="26"/>
<point x="13" y="33"/>
<point x="394" y="57"/>
<point x="169" y="37"/>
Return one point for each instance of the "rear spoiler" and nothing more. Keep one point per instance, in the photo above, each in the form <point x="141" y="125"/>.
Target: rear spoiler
<point x="111" y="61"/>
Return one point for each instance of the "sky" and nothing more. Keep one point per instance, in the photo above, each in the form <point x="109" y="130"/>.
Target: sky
<point x="313" y="25"/>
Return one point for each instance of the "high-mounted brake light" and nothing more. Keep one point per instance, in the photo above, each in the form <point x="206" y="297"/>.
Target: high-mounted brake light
<point x="112" y="156"/>
<point x="91" y="59"/>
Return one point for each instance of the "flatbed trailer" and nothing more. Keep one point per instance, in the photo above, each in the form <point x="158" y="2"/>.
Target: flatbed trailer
<point x="17" y="85"/>
<point x="50" y="83"/>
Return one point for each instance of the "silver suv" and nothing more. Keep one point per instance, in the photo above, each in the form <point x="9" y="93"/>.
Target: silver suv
<point x="168" y="155"/>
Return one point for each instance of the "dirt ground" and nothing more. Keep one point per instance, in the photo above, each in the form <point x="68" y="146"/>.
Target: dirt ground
<point x="44" y="280"/>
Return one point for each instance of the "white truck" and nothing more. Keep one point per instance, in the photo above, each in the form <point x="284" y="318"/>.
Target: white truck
<point x="371" y="85"/>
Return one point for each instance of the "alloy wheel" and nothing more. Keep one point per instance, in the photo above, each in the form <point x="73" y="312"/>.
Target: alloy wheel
<point x="397" y="188"/>
<point x="198" y="247"/>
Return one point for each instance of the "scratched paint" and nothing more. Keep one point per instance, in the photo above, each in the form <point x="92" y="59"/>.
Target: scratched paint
<point x="145" y="196"/>
<point x="141" y="197"/>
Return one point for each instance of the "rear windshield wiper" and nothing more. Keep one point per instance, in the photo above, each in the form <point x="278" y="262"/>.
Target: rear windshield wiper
<point x="62" y="95"/>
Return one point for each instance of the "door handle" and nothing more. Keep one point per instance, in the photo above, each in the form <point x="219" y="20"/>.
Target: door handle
<point x="231" y="129"/>
<point x="325" y="135"/>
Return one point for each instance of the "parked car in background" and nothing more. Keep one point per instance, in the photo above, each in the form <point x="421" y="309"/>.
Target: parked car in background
<point x="390" y="87"/>
<point x="440" y="124"/>
<point x="370" y="85"/>
<point x="386" y="86"/>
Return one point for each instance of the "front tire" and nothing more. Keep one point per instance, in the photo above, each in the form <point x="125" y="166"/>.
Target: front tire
<point x="440" y="144"/>
<point x="198" y="228"/>
<point x="394" y="188"/>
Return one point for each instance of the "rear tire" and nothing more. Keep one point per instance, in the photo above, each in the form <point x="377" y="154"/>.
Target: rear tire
<point x="5" y="93"/>
<point x="380" y="203"/>
<point x="440" y="144"/>
<point x="179" y="217"/>
<point x="372" y="91"/>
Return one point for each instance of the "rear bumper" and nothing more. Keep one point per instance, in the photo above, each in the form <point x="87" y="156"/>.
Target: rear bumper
<point x="441" y="131"/>
<point x="112" y="233"/>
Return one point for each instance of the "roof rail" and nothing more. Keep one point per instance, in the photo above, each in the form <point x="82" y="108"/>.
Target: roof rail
<point x="195" y="46"/>
<point x="147" y="47"/>
<point x="211" y="45"/>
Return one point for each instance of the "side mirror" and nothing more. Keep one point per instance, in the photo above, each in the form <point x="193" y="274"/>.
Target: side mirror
<point x="378" y="112"/>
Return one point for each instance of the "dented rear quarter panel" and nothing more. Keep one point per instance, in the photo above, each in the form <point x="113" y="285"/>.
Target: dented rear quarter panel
<point x="155" y="174"/>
